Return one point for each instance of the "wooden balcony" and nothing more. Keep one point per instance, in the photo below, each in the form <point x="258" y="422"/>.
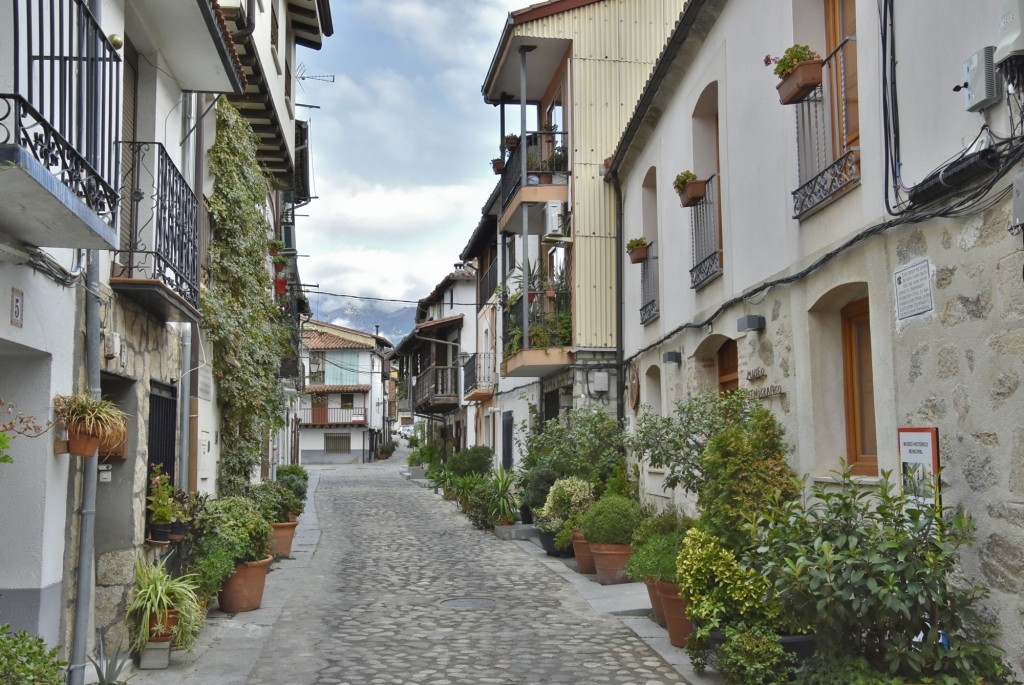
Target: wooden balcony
<point x="436" y="390"/>
<point x="332" y="416"/>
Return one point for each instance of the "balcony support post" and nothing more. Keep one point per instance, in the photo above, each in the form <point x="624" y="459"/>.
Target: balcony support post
<point x="525" y="299"/>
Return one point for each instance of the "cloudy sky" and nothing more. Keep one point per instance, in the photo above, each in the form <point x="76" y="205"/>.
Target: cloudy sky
<point x="401" y="144"/>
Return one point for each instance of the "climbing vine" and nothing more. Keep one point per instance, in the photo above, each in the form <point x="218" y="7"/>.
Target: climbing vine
<point x="239" y="314"/>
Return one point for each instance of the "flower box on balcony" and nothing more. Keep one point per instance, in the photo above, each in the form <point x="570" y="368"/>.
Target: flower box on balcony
<point x="637" y="254"/>
<point x="795" y="86"/>
<point x="692" y="193"/>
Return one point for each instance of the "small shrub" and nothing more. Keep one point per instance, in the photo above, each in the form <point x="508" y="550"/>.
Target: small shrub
<point x="24" y="658"/>
<point x="478" y="505"/>
<point x="567" y="499"/>
<point x="276" y="502"/>
<point x="668" y="521"/>
<point x="478" y="459"/>
<point x="655" y="558"/>
<point x="230" y="531"/>
<point x="752" y="657"/>
<point x="611" y="520"/>
<point x="295" y="478"/>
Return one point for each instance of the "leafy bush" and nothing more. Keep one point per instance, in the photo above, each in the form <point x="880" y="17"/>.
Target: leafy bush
<point x="463" y="486"/>
<point x="611" y="520"/>
<point x="295" y="478"/>
<point x="668" y="521"/>
<point x="24" y="658"/>
<point x="567" y="499"/>
<point x="276" y="502"/>
<point x="230" y="531"/>
<point x="753" y="657"/>
<point x="478" y="504"/>
<point x="478" y="459"/>
<point x="655" y="558"/>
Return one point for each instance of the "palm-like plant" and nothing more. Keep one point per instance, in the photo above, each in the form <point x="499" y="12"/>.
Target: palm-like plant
<point x="504" y="506"/>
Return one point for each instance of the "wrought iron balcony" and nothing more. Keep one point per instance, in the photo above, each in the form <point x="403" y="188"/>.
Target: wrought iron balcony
<point x="827" y="158"/>
<point x="547" y="162"/>
<point x="57" y="126"/>
<point x="436" y="390"/>
<point x="545" y="348"/>
<point x="487" y="283"/>
<point x="707" y="236"/>
<point x="333" y="416"/>
<point x="479" y="377"/>
<point x="160" y="264"/>
<point x="649" y="284"/>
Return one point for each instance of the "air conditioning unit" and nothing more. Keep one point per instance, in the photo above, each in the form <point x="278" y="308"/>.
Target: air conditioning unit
<point x="554" y="223"/>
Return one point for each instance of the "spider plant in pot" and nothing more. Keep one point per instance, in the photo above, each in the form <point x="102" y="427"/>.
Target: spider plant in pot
<point x="162" y="607"/>
<point x="90" y="422"/>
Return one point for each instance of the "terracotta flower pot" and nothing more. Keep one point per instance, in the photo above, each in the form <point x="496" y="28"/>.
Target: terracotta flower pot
<point x="610" y="561"/>
<point x="83" y="444"/>
<point x="160" y="628"/>
<point x="692" y="193"/>
<point x="657" y="606"/>
<point x="243" y="589"/>
<point x="676" y="621"/>
<point x="637" y="254"/>
<point x="795" y="86"/>
<point x="283" y="534"/>
<point x="584" y="557"/>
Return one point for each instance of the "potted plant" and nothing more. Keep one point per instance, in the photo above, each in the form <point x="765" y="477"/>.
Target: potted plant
<point x="608" y="526"/>
<point x="90" y="422"/>
<point x="108" y="669"/>
<point x="280" y="286"/>
<point x="498" y="165"/>
<point x="559" y="518"/>
<point x="160" y="504"/>
<point x="799" y="72"/>
<point x="649" y="565"/>
<point x="549" y="130"/>
<point x="280" y="507"/>
<point x="558" y="160"/>
<point x="503" y="497"/>
<point x="690" y="190"/>
<point x="280" y="262"/>
<point x="162" y="608"/>
<point x="231" y="553"/>
<point x="511" y="142"/>
<point x="274" y="246"/>
<point x="636" y="248"/>
<point x="295" y="477"/>
<point x="25" y="658"/>
<point x="654" y="562"/>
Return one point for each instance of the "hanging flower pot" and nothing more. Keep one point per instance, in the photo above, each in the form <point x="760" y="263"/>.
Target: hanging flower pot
<point x="795" y="86"/>
<point x="498" y="165"/>
<point x="82" y="444"/>
<point x="692" y="193"/>
<point x="637" y="252"/>
<point x="280" y="286"/>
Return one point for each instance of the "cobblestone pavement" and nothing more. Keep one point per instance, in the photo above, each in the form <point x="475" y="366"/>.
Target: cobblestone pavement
<point x="403" y="590"/>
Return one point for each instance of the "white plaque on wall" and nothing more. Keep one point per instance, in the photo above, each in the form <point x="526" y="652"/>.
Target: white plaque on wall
<point x="913" y="290"/>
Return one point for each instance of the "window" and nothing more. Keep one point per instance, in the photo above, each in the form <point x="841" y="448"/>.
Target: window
<point x="649" y="276"/>
<point x="859" y="389"/>
<point x="728" y="367"/>
<point x="706" y="216"/>
<point x="337" y="443"/>
<point x="347" y="401"/>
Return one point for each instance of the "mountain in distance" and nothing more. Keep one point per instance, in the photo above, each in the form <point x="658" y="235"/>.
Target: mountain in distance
<point x="394" y="324"/>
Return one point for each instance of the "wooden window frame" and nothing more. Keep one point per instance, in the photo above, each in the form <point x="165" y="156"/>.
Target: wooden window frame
<point x="852" y="315"/>
<point x="728" y="366"/>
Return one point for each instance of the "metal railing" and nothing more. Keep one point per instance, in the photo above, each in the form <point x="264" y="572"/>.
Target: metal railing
<point x="550" y="324"/>
<point x="826" y="161"/>
<point x="164" y="241"/>
<point x="65" y="107"/>
<point x="436" y="385"/>
<point x="547" y="162"/>
<point x="478" y="372"/>
<point x="319" y="416"/>
<point x="486" y="285"/>
<point x="649" y="284"/>
<point x="706" y="243"/>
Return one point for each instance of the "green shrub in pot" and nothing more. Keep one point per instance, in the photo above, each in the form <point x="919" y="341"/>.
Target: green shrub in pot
<point x="295" y="478"/>
<point x="229" y="531"/>
<point x="567" y="499"/>
<point x="655" y="557"/>
<point x="611" y="520"/>
<point x="276" y="502"/>
<point x="472" y="460"/>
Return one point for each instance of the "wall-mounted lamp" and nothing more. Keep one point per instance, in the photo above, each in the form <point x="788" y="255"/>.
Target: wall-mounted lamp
<point x="750" y="322"/>
<point x="672" y="358"/>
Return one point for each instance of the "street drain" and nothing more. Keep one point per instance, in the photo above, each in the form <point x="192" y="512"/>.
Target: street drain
<point x="469" y="603"/>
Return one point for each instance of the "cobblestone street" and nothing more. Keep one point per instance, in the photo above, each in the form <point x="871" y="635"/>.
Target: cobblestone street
<point x="397" y="587"/>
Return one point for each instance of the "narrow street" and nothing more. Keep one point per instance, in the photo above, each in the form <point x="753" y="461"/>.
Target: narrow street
<point x="368" y="598"/>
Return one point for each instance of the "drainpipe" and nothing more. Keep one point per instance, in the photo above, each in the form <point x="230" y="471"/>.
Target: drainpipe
<point x="90" y="472"/>
<point x="250" y="22"/>
<point x="185" y="396"/>
<point x="619" y="249"/>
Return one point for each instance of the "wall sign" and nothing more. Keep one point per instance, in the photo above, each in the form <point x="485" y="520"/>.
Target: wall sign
<point x="913" y="290"/>
<point x="757" y="373"/>
<point x="919" y="463"/>
<point x="17" y="307"/>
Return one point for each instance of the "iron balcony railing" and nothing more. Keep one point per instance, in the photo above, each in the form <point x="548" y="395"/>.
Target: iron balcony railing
<point x="707" y="235"/>
<point x="550" y="324"/>
<point x="437" y="385"/>
<point x="65" y="106"/>
<point x="478" y="372"/>
<point x="827" y="160"/>
<point x="486" y="285"/>
<point x="164" y="240"/>
<point x="649" y="284"/>
<point x="320" y="416"/>
<point x="547" y="161"/>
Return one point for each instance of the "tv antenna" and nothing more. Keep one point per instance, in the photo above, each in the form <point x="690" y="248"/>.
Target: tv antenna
<point x="301" y="75"/>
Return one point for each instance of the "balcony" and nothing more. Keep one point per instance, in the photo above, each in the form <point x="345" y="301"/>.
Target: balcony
<point x="707" y="236"/>
<point x="543" y="348"/>
<point x="436" y="390"/>
<point x="547" y="168"/>
<point x="332" y="416"/>
<point x="478" y="377"/>
<point x="160" y="267"/>
<point x="827" y="124"/>
<point x="57" y="126"/>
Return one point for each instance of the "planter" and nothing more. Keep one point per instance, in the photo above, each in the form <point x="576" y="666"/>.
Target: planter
<point x="498" y="166"/>
<point x="795" y="86"/>
<point x="278" y="267"/>
<point x="177" y="532"/>
<point x="280" y="286"/>
<point x="526" y="514"/>
<point x="273" y="250"/>
<point x="160" y="630"/>
<point x="800" y="648"/>
<point x="547" y="541"/>
<point x="657" y="606"/>
<point x="511" y="142"/>
<point x="692" y="193"/>
<point x="544" y="178"/>
<point x="243" y="589"/>
<point x="610" y="562"/>
<point x="584" y="556"/>
<point x="638" y="254"/>
<point x="678" y="624"/>
<point x="283" y="534"/>
<point x="83" y="444"/>
<point x="160" y="532"/>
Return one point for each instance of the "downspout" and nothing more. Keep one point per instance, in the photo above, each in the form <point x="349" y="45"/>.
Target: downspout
<point x="250" y="22"/>
<point x="620" y="344"/>
<point x="185" y="418"/>
<point x="90" y="471"/>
